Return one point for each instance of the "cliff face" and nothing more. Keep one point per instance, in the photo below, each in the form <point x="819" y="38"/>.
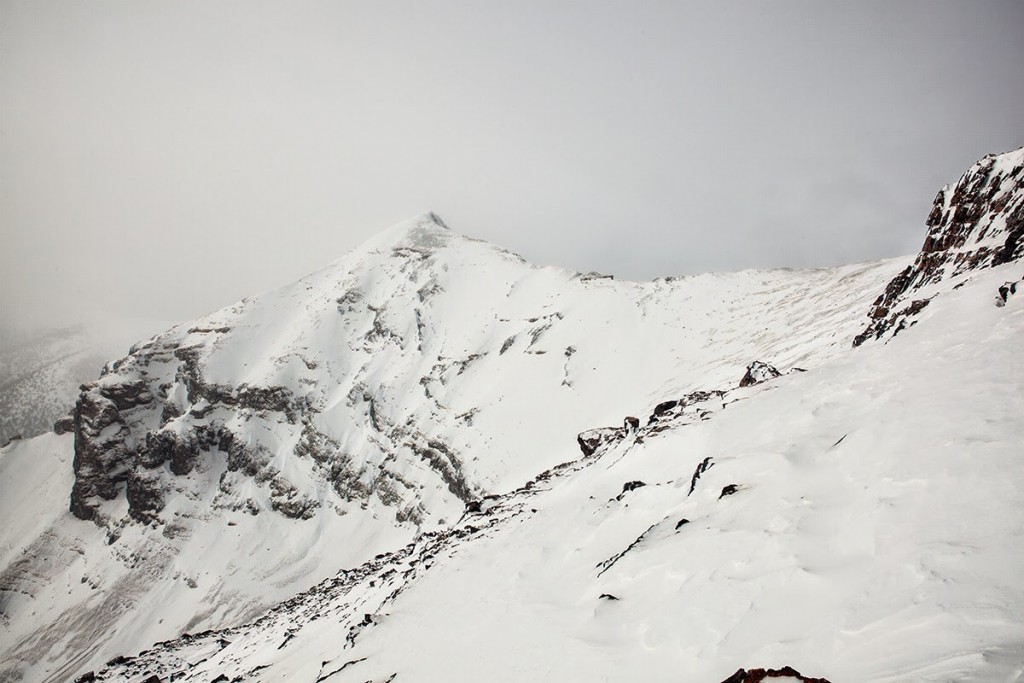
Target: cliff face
<point x="976" y="224"/>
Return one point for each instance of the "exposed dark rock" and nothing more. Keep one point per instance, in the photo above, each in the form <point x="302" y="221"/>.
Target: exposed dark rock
<point x="1006" y="290"/>
<point x="592" y="440"/>
<point x="664" y="407"/>
<point x="703" y="467"/>
<point x="126" y="395"/>
<point x="668" y="410"/>
<point x="208" y="330"/>
<point x="275" y="399"/>
<point x="977" y="224"/>
<point x="287" y="500"/>
<point x="630" y="425"/>
<point x="168" y="412"/>
<point x="87" y="677"/>
<point x="103" y="450"/>
<point x="610" y="562"/>
<point x="681" y="523"/>
<point x="758" y="675"/>
<point x="607" y="596"/>
<point x="64" y="425"/>
<point x="728" y="490"/>
<point x="629" y="486"/>
<point x="182" y="452"/>
<point x="145" y="497"/>
<point x="758" y="372"/>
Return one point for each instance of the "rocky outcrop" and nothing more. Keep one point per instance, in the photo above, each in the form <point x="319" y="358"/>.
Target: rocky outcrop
<point x="1008" y="289"/>
<point x="136" y="435"/>
<point x="758" y="675"/>
<point x="594" y="440"/>
<point x="699" y="404"/>
<point x="976" y="224"/>
<point x="758" y="372"/>
<point x="104" y="444"/>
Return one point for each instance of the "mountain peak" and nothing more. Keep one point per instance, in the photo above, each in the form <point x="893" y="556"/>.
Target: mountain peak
<point x="425" y="231"/>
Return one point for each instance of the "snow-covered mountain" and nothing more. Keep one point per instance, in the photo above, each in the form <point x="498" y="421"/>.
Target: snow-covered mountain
<point x="395" y="469"/>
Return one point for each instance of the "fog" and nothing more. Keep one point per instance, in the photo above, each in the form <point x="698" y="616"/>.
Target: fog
<point x="160" y="160"/>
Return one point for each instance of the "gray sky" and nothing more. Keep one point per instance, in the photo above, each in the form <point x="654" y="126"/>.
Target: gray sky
<point x="163" y="159"/>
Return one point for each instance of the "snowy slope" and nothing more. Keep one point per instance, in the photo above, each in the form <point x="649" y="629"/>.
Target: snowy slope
<point x="837" y="521"/>
<point x="403" y="411"/>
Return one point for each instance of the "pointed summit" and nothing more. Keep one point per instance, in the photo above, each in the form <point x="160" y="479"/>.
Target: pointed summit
<point x="425" y="231"/>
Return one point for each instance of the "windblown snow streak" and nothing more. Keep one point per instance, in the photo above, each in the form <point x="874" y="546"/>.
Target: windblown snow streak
<point x="388" y="417"/>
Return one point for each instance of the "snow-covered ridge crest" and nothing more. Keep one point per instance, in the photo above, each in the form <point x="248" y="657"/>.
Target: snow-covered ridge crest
<point x="978" y="223"/>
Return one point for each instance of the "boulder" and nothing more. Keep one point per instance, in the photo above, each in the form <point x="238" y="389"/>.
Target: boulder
<point x="758" y="372"/>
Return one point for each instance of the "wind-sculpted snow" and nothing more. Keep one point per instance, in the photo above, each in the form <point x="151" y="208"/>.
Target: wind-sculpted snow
<point x="343" y="607"/>
<point x="325" y="482"/>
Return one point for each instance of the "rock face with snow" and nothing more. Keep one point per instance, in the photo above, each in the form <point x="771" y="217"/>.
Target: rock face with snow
<point x="976" y="224"/>
<point x="394" y="469"/>
<point x="758" y="372"/>
<point x="40" y="371"/>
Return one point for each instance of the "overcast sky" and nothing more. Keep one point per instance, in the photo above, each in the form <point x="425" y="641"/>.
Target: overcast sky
<point x="164" y="159"/>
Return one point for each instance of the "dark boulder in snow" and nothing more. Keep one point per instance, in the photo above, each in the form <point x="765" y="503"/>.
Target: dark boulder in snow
<point x="681" y="523"/>
<point x="1006" y="290"/>
<point x="728" y="490"/>
<point x="758" y="675"/>
<point x="592" y="440"/>
<point x="758" y="372"/>
<point x="629" y="486"/>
